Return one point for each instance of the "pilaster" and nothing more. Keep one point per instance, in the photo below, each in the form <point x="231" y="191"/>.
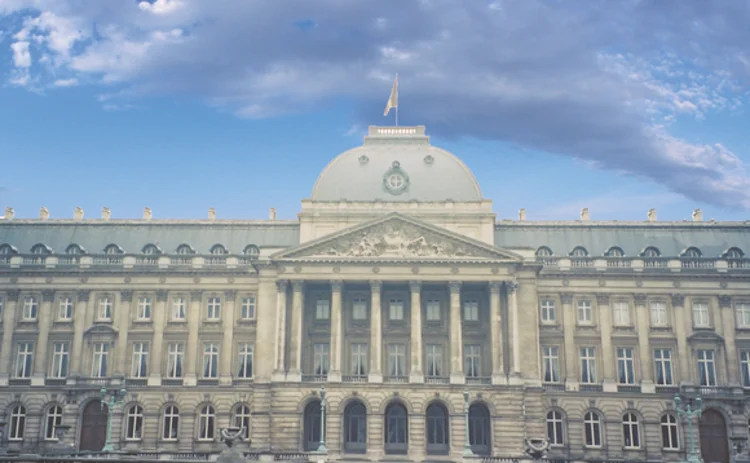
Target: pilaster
<point x="515" y="330"/>
<point x="279" y="371"/>
<point x="337" y="335"/>
<point x="9" y="318"/>
<point x="683" y="350"/>
<point x="376" y="331"/>
<point x="728" y="325"/>
<point x="569" y="330"/>
<point x="45" y="321"/>
<point x="191" y="349"/>
<point x="79" y="326"/>
<point x="295" y="371"/>
<point x="456" y="334"/>
<point x="644" y="346"/>
<point x="496" y="330"/>
<point x="226" y="354"/>
<point x="416" y="374"/>
<point x="157" y="343"/>
<point x="608" y="357"/>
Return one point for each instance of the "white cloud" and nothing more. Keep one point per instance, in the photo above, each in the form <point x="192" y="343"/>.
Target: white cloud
<point x="66" y="82"/>
<point x="160" y="6"/>
<point x="21" y="54"/>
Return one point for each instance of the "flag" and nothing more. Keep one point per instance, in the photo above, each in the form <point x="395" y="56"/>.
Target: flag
<point x="393" y="99"/>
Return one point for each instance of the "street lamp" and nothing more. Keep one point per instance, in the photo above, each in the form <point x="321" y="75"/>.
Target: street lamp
<point x="322" y="447"/>
<point x="689" y="413"/>
<point x="111" y="400"/>
<point x="467" y="442"/>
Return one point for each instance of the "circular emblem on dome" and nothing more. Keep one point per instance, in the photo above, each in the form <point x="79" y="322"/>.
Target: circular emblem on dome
<point x="395" y="179"/>
<point x="363" y="159"/>
<point x="429" y="159"/>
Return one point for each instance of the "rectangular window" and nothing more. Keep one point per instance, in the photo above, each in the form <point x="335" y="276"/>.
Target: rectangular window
<point x="745" y="367"/>
<point x="213" y="311"/>
<point x="322" y="309"/>
<point x="359" y="359"/>
<point x="432" y="308"/>
<point x="24" y="359"/>
<point x="658" y="313"/>
<point x="588" y="365"/>
<point x="396" y="309"/>
<point x="625" y="368"/>
<point x="621" y="313"/>
<point x="700" y="315"/>
<point x="210" y="360"/>
<point x="321" y="358"/>
<point x="178" y="309"/>
<point x="548" y="311"/>
<point x="245" y="366"/>
<point x="175" y="357"/>
<point x="359" y="308"/>
<point x="472" y="360"/>
<point x="140" y="360"/>
<point x="471" y="311"/>
<point x="65" y="309"/>
<point x="433" y="360"/>
<point x="143" y="311"/>
<point x="663" y="364"/>
<point x="104" y="309"/>
<point x="743" y="315"/>
<point x="247" y="307"/>
<point x="584" y="312"/>
<point x="100" y="361"/>
<point x="60" y="359"/>
<point x="706" y="368"/>
<point x="396" y="360"/>
<point x="551" y="361"/>
<point x="30" y="308"/>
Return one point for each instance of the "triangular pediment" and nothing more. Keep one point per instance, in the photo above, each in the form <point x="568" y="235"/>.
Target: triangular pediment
<point x="396" y="237"/>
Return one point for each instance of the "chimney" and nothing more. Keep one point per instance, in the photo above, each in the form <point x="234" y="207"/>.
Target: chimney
<point x="9" y="213"/>
<point x="77" y="213"/>
<point x="652" y="215"/>
<point x="272" y="214"/>
<point x="211" y="213"/>
<point x="146" y="213"/>
<point x="585" y="214"/>
<point x="106" y="213"/>
<point x="43" y="213"/>
<point x="522" y="214"/>
<point x="697" y="215"/>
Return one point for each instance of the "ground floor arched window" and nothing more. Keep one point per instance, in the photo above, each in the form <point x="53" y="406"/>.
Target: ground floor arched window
<point x="438" y="437"/>
<point x="311" y="426"/>
<point x="396" y="429"/>
<point x="355" y="428"/>
<point x="479" y="429"/>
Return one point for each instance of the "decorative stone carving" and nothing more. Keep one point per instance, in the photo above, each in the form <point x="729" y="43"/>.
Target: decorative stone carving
<point x="566" y="282"/>
<point x="495" y="287"/>
<point x="376" y="286"/>
<point x="396" y="180"/>
<point x="13" y="280"/>
<point x="161" y="295"/>
<point x="512" y="286"/>
<point x="640" y="299"/>
<point x="48" y="295"/>
<point x="602" y="299"/>
<point x="13" y="295"/>
<point x="297" y="269"/>
<point x="197" y="280"/>
<point x="336" y="269"/>
<point x="602" y="282"/>
<point x="455" y="286"/>
<point x="84" y="279"/>
<point x="49" y="280"/>
<point x="281" y="285"/>
<point x="415" y="270"/>
<point x="639" y="283"/>
<point x="298" y="285"/>
<point x="127" y="280"/>
<point x="454" y="270"/>
<point x="162" y="280"/>
<point x="230" y="280"/>
<point x="337" y="286"/>
<point x="126" y="296"/>
<point x="415" y="286"/>
<point x="676" y="284"/>
<point x="196" y="295"/>
<point x="678" y="300"/>
<point x="376" y="270"/>
<point x="725" y="301"/>
<point x="83" y="295"/>
<point x="566" y="298"/>
<point x="723" y="285"/>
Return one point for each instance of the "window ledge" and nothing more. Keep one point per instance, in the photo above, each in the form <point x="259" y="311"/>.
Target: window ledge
<point x="142" y="321"/>
<point x="246" y="321"/>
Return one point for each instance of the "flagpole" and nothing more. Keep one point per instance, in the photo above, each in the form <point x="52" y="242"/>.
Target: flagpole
<point x="396" y="116"/>
<point x="397" y="99"/>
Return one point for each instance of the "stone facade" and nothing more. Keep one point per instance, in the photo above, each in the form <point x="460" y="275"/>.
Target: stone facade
<point x="409" y="311"/>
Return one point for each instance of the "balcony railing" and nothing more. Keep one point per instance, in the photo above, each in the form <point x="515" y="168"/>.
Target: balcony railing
<point x="436" y="380"/>
<point x="655" y="262"/>
<point x="590" y="388"/>
<point x="628" y="388"/>
<point x="553" y="386"/>
<point x="667" y="389"/>
<point x="619" y="262"/>
<point x="581" y="262"/>
<point x="354" y="379"/>
<point x="396" y="379"/>
<point x="698" y="263"/>
<point x="314" y="378"/>
<point x="477" y="380"/>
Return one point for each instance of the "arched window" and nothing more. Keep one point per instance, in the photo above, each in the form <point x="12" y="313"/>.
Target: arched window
<point x="171" y="428"/>
<point x="555" y="428"/>
<point x="579" y="251"/>
<point x="74" y="250"/>
<point x="218" y="250"/>
<point x="396" y="429"/>
<point x="691" y="253"/>
<point x="151" y="249"/>
<point x="241" y="419"/>
<point x="6" y="250"/>
<point x="134" y="423"/>
<point x="631" y="437"/>
<point x="17" y="422"/>
<point x="355" y="427"/>
<point x="207" y="423"/>
<point x="651" y="251"/>
<point x="113" y="249"/>
<point x="185" y="249"/>
<point x="54" y="419"/>
<point x="734" y="253"/>
<point x="669" y="435"/>
<point x="615" y="251"/>
<point x="437" y="430"/>
<point x="479" y="429"/>
<point x="592" y="429"/>
<point x="544" y="251"/>
<point x="312" y="426"/>
<point x="41" y="249"/>
<point x="251" y="250"/>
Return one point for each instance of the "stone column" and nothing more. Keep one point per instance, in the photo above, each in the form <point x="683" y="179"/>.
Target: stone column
<point x="79" y="326"/>
<point x="226" y="354"/>
<point x="456" y="335"/>
<point x="157" y="344"/>
<point x="337" y="332"/>
<point x="728" y="321"/>
<point x="608" y="357"/>
<point x="496" y="334"/>
<point x="122" y="324"/>
<point x="416" y="374"/>
<point x="644" y="346"/>
<point x="191" y="349"/>
<point x="569" y="333"/>
<point x="279" y="371"/>
<point x="298" y="313"/>
<point x="376" y="331"/>
<point x="515" y="334"/>
<point x="45" y="321"/>
<point x="9" y="319"/>
<point x="683" y="350"/>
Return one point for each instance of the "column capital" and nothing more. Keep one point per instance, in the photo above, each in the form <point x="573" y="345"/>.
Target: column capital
<point x="640" y="299"/>
<point x="82" y="295"/>
<point x="511" y="285"/>
<point x="196" y="295"/>
<point x="48" y="295"/>
<point x="376" y="286"/>
<point x="566" y="298"/>
<point x="495" y="286"/>
<point x="678" y="300"/>
<point x="161" y="295"/>
<point x="725" y="301"/>
<point x="602" y="299"/>
<point x="455" y="286"/>
<point x="126" y="295"/>
<point x="337" y="286"/>
<point x="298" y="285"/>
<point x="281" y="285"/>
<point x="230" y="295"/>
<point x="415" y="286"/>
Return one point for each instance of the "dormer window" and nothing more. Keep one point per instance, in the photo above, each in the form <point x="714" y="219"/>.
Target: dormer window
<point x="615" y="251"/>
<point x="251" y="250"/>
<point x="579" y="251"/>
<point x="651" y="252"/>
<point x="544" y="251"/>
<point x="6" y="250"/>
<point x="185" y="249"/>
<point x="218" y="250"/>
<point x="112" y="249"/>
<point x="74" y="250"/>
<point x="691" y="253"/>
<point x="151" y="249"/>
<point x="733" y="253"/>
<point x="41" y="249"/>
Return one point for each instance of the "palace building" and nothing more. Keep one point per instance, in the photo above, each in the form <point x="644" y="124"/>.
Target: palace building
<point x="431" y="330"/>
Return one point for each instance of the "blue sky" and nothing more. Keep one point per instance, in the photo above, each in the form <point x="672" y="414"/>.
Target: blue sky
<point x="182" y="105"/>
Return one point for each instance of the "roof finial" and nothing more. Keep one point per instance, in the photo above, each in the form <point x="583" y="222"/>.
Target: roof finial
<point x="43" y="213"/>
<point x="652" y="215"/>
<point x="522" y="214"/>
<point x="697" y="215"/>
<point x="9" y="213"/>
<point x="585" y="214"/>
<point x="272" y="214"/>
<point x="106" y="213"/>
<point x="146" y="213"/>
<point x="77" y="213"/>
<point x="211" y="213"/>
